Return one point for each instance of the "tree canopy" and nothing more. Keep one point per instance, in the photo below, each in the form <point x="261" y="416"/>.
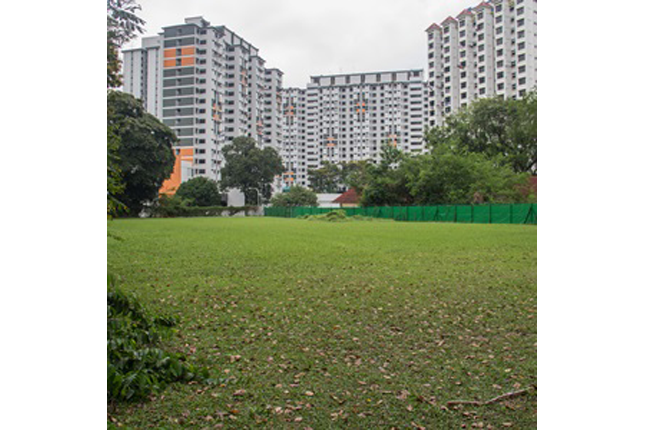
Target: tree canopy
<point x="200" y="191"/>
<point x="122" y="25"/>
<point x="250" y="168"/>
<point x="144" y="152"/>
<point x="494" y="127"/>
<point x="325" y="179"/>
<point x="296" y="196"/>
<point x="446" y="176"/>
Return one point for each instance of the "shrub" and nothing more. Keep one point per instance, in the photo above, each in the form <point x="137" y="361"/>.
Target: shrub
<point x="296" y="196"/>
<point x="332" y="216"/>
<point x="176" y="206"/>
<point x="136" y="367"/>
<point x="200" y="191"/>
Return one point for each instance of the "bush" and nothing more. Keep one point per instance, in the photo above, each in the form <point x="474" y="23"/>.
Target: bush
<point x="176" y="206"/>
<point x="332" y="216"/>
<point x="136" y="367"/>
<point x="200" y="191"/>
<point x="296" y="196"/>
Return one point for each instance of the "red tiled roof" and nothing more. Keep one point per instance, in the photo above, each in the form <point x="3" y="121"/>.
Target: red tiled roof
<point x="349" y="196"/>
<point x="482" y="5"/>
<point x="449" y="19"/>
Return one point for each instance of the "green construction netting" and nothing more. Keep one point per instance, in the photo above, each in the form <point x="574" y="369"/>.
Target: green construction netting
<point x="521" y="213"/>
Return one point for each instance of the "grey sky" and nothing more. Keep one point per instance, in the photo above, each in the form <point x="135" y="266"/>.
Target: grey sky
<point x="307" y="37"/>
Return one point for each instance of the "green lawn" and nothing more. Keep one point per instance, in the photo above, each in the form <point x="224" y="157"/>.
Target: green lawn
<point x="327" y="325"/>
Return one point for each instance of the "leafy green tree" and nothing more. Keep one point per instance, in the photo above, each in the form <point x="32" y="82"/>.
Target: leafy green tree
<point x="145" y="151"/>
<point x="456" y="177"/>
<point x="122" y="25"/>
<point x="326" y="179"/>
<point x="296" y="196"/>
<point x="355" y="174"/>
<point x="494" y="127"/>
<point x="386" y="183"/>
<point x="250" y="168"/>
<point x="114" y="180"/>
<point x="200" y="191"/>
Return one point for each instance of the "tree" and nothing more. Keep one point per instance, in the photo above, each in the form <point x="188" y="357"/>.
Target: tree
<point x="326" y="179"/>
<point x="450" y="176"/>
<point x="296" y="196"/>
<point x="114" y="180"/>
<point x="122" y="25"/>
<point x="387" y="182"/>
<point x="200" y="191"/>
<point x="145" y="151"/>
<point x="250" y="168"/>
<point x="494" y="127"/>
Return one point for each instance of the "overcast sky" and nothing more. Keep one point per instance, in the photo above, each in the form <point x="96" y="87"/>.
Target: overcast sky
<point x="313" y="37"/>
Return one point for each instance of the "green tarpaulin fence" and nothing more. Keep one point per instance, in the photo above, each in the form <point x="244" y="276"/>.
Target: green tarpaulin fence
<point x="521" y="213"/>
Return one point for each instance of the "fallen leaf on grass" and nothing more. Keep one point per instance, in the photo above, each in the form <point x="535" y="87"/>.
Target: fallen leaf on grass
<point x="403" y="394"/>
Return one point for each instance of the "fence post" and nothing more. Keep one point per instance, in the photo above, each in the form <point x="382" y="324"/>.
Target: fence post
<point x="490" y="213"/>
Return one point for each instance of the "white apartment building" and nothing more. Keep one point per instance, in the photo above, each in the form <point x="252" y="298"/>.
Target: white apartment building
<point x="294" y="142"/>
<point x="349" y="117"/>
<point x="272" y="109"/>
<point x="209" y="85"/>
<point x="487" y="50"/>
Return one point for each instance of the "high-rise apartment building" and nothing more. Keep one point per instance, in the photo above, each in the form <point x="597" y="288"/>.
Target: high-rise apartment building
<point x="272" y="109"/>
<point x="209" y="85"/>
<point x="487" y="50"/>
<point x="294" y="142"/>
<point x="349" y="117"/>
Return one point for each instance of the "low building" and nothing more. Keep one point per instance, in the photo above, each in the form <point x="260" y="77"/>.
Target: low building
<point x="349" y="199"/>
<point x="327" y="200"/>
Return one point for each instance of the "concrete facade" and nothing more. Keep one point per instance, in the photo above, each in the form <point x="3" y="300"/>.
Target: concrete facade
<point x="207" y="84"/>
<point x="210" y="85"/>
<point x="488" y="50"/>
<point x="349" y="117"/>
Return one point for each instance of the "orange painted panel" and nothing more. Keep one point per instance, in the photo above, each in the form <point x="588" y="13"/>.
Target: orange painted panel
<point x="169" y="53"/>
<point x="171" y="184"/>
<point x="189" y="50"/>
<point x="170" y="63"/>
<point x="188" y="61"/>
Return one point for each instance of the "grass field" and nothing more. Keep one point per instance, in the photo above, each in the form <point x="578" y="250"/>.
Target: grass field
<point x="328" y="325"/>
